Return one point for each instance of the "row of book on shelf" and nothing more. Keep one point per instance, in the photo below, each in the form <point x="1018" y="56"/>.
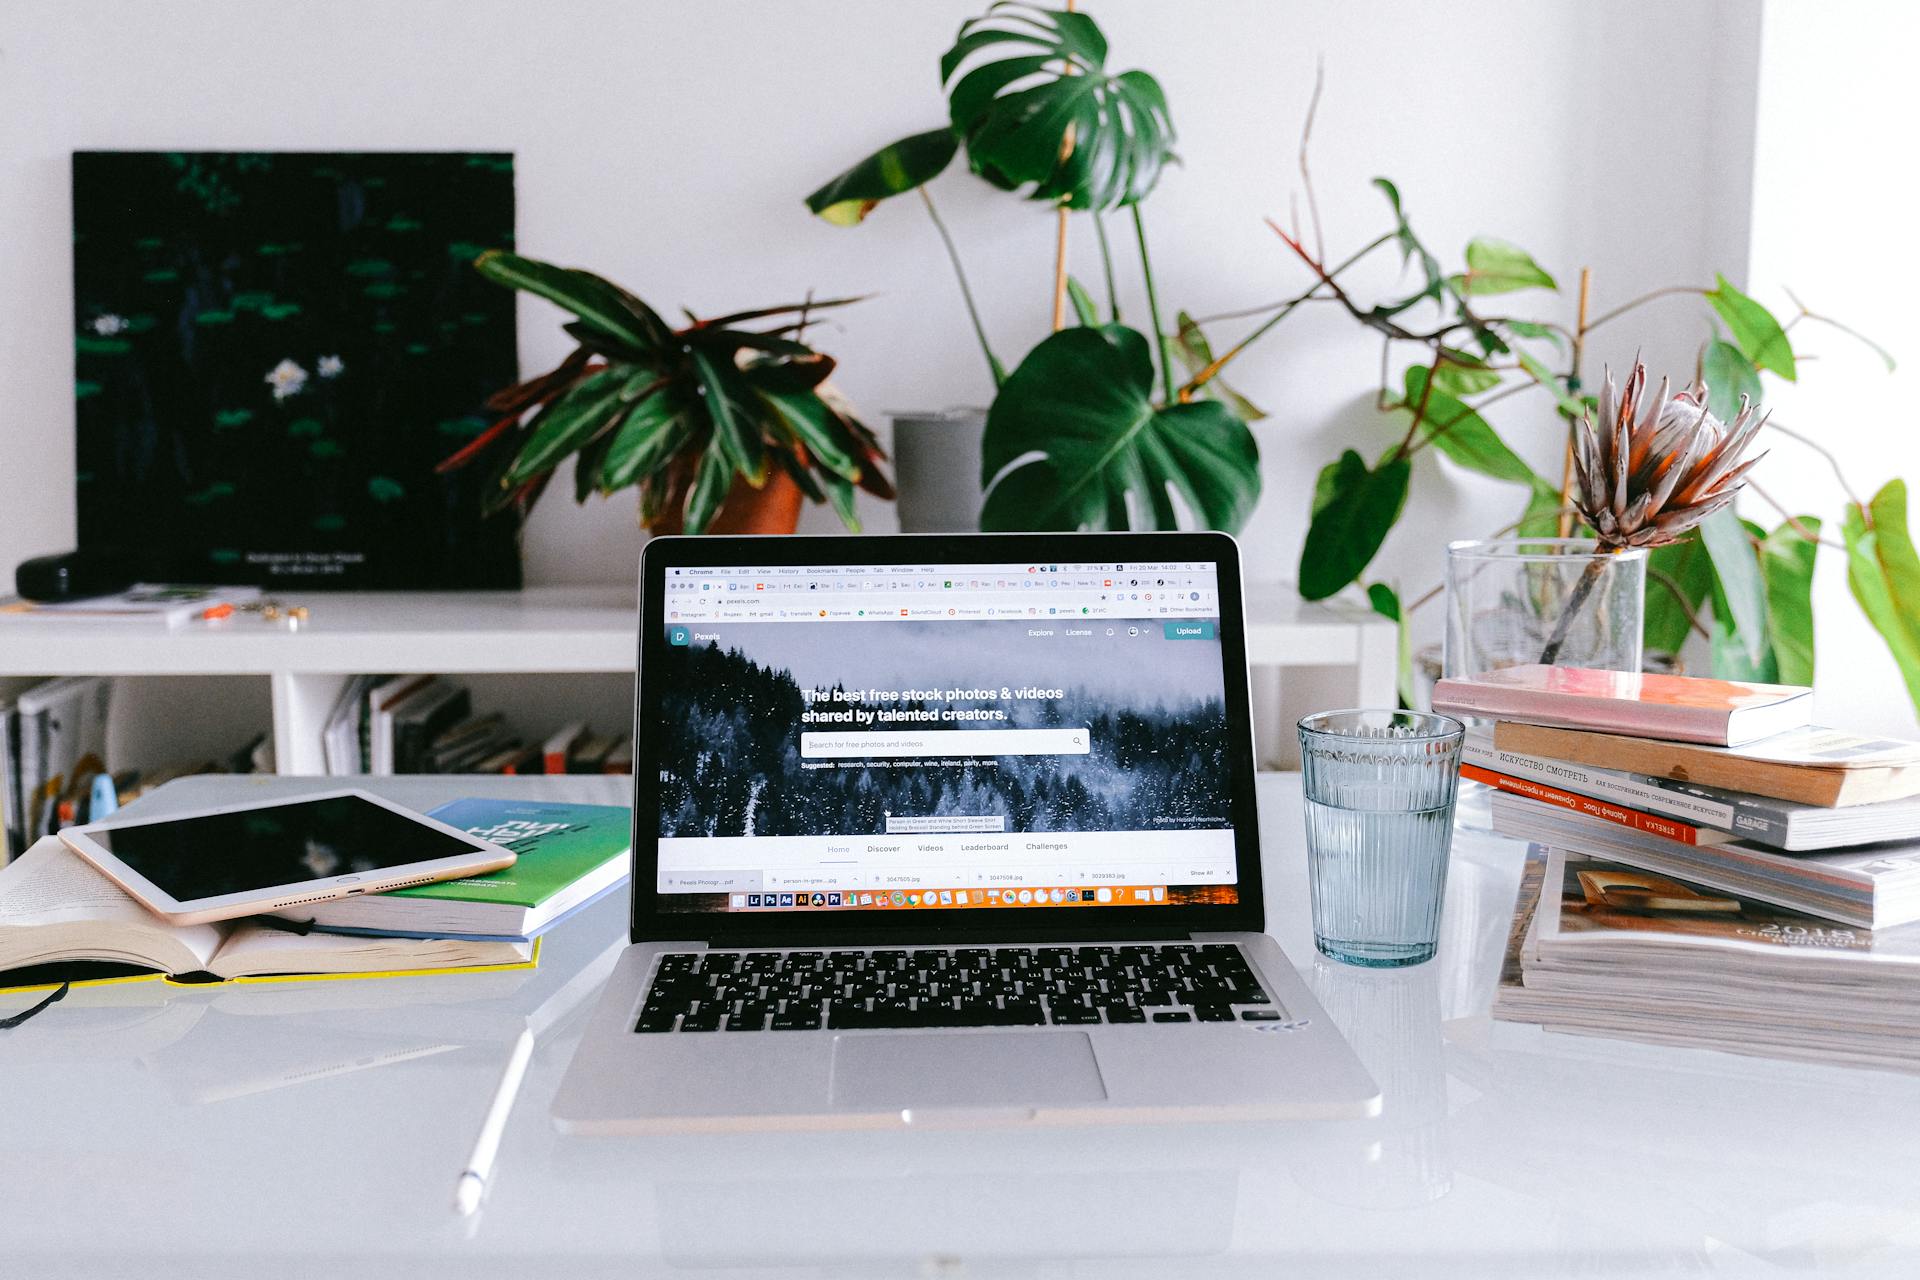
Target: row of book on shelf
<point x="62" y="921"/>
<point x="1707" y="865"/>
<point x="56" y="770"/>
<point x="389" y="724"/>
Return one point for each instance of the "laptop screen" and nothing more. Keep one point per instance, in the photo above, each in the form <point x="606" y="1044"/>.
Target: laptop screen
<point x="942" y="737"/>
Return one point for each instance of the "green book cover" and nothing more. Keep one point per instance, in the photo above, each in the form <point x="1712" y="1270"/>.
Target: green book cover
<point x="556" y="844"/>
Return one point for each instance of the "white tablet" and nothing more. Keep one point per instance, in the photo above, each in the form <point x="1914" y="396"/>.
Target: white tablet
<point x="247" y="859"/>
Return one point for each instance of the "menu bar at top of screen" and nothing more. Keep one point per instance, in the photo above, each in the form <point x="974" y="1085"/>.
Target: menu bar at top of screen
<point x="770" y="600"/>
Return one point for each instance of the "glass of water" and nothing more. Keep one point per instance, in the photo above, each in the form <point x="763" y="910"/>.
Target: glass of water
<point x="1379" y="791"/>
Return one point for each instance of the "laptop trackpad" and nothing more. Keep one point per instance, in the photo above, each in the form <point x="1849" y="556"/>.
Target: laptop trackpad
<point x="975" y="1069"/>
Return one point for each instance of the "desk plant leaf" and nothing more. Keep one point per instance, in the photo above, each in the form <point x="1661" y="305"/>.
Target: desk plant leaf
<point x="1680" y="575"/>
<point x="1786" y="564"/>
<point x="1048" y="116"/>
<point x="681" y="414"/>
<point x="895" y="168"/>
<point x="1755" y="331"/>
<point x="1353" y="508"/>
<point x="1461" y="433"/>
<point x="1740" y="595"/>
<point x="1730" y="377"/>
<point x="1883" y="572"/>
<point x="1494" y="266"/>
<point x="1074" y="433"/>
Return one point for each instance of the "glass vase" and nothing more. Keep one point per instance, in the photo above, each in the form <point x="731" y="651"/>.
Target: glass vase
<point x="1512" y="601"/>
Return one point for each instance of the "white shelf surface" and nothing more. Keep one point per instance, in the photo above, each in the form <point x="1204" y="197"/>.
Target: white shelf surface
<point x="543" y="632"/>
<point x="539" y="629"/>
<point x="553" y="629"/>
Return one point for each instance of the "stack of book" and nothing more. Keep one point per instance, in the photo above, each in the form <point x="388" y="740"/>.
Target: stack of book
<point x="63" y="921"/>
<point x="1711" y="868"/>
<point x="55" y="769"/>
<point x="383" y="725"/>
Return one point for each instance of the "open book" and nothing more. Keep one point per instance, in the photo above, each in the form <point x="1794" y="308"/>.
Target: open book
<point x="55" y="909"/>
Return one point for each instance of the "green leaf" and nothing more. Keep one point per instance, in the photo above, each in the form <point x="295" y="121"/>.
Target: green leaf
<point x="1082" y="303"/>
<point x="1541" y="517"/>
<point x="1048" y="116"/>
<point x="650" y="433"/>
<point x="1411" y="248"/>
<point x="1736" y="571"/>
<point x="1190" y="346"/>
<point x="1532" y="329"/>
<point x="735" y="428"/>
<point x="1354" y="510"/>
<point x="1074" y="433"/>
<point x="710" y="484"/>
<point x="1462" y="434"/>
<point x="1730" y="375"/>
<point x="1461" y="373"/>
<point x="1786" y="565"/>
<point x="1669" y="620"/>
<point x="1758" y="335"/>
<point x="1570" y="406"/>
<point x="567" y="424"/>
<point x="1883" y="571"/>
<point x="600" y="303"/>
<point x="895" y="168"/>
<point x="1386" y="603"/>
<point x="818" y="427"/>
<point x="1494" y="266"/>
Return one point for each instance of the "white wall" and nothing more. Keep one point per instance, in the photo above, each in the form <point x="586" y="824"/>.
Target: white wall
<point x="1833" y="211"/>
<point x="669" y="145"/>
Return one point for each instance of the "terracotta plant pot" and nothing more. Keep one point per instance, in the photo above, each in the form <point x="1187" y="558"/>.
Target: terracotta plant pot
<point x="773" y="508"/>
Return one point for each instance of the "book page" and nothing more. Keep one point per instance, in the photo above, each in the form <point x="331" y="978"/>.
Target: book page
<point x="54" y="905"/>
<point x="253" y="949"/>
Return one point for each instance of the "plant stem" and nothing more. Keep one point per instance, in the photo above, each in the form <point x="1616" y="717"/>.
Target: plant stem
<point x="1060" y="221"/>
<point x="1589" y="578"/>
<point x="1313" y="294"/>
<point x="1106" y="265"/>
<point x="1642" y="301"/>
<point x="1579" y="344"/>
<point x="994" y="367"/>
<point x="1153" y="304"/>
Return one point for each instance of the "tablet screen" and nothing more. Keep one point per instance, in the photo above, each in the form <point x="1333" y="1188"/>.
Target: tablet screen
<point x="222" y="853"/>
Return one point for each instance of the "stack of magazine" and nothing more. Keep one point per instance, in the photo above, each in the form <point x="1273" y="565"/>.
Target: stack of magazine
<point x="1711" y="869"/>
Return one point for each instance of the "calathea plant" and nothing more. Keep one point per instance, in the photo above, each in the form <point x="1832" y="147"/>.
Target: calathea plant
<point x="1089" y="431"/>
<point x="696" y="417"/>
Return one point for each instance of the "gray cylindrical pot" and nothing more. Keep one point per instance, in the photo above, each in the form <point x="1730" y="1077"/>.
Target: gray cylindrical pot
<point x="936" y="467"/>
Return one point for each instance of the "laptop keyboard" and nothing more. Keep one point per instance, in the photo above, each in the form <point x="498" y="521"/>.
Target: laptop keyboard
<point x="956" y="987"/>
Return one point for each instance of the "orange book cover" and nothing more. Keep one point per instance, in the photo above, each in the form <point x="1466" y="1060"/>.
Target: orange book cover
<point x="1683" y="708"/>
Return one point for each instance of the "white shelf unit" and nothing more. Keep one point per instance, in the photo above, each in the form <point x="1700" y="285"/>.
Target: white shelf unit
<point x="543" y="655"/>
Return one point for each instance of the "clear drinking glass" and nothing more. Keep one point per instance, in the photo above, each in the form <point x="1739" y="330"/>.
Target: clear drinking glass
<point x="1519" y="600"/>
<point x="1379" y="791"/>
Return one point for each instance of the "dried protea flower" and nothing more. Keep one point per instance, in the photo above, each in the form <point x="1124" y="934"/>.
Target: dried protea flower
<point x="1645" y="481"/>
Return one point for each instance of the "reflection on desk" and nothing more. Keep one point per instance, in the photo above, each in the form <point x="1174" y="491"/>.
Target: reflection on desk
<point x="329" y="1124"/>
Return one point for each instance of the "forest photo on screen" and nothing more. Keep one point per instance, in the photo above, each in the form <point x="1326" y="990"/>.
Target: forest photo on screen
<point x="735" y="702"/>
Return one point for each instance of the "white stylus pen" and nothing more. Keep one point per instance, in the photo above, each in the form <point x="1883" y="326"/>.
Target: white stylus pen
<point x="472" y="1187"/>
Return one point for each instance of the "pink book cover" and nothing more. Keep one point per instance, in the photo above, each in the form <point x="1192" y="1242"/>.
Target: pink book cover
<point x="1681" y="708"/>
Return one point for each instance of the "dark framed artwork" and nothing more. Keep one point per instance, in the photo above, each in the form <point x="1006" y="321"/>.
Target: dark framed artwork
<point x="272" y="352"/>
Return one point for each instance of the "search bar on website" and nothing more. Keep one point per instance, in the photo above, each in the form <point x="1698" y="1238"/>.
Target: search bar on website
<point x="944" y="742"/>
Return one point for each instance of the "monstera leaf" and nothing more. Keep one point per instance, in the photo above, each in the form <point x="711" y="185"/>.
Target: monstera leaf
<point x="1048" y="115"/>
<point x="1074" y="433"/>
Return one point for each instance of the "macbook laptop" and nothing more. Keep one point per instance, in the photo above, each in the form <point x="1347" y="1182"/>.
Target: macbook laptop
<point x="948" y="830"/>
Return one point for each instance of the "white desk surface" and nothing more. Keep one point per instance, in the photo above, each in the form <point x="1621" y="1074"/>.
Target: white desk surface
<point x="317" y="1129"/>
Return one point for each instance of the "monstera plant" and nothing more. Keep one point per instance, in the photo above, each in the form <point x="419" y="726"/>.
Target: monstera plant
<point x="720" y="426"/>
<point x="1089" y="431"/>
